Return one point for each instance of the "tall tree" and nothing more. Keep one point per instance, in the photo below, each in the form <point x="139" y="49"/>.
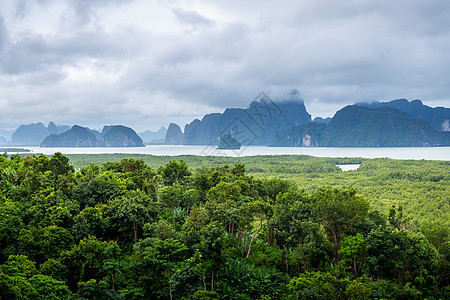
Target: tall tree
<point x="175" y="172"/>
<point x="340" y="211"/>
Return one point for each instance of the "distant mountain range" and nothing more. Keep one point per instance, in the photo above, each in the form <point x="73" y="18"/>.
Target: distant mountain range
<point x="286" y="123"/>
<point x="438" y="117"/>
<point x="282" y="122"/>
<point x="380" y="127"/>
<point x="34" y="133"/>
<point x="111" y="136"/>
<point x="149" y="136"/>
<point x="77" y="136"/>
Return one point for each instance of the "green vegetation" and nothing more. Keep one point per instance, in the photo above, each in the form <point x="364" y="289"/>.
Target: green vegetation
<point x="284" y="227"/>
<point x="421" y="187"/>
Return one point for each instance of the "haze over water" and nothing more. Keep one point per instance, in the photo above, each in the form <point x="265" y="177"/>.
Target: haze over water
<point x="428" y="153"/>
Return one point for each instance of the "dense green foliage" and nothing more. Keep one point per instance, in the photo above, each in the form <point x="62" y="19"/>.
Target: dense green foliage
<point x="132" y="229"/>
<point x="421" y="187"/>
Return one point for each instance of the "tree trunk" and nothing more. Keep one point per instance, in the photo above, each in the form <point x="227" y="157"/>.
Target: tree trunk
<point x="337" y="244"/>
<point x="212" y="281"/>
<point x="287" y="262"/>
<point x="270" y="237"/>
<point x="305" y="264"/>
<point x="135" y="232"/>
<point x="173" y="218"/>
<point x="204" y="281"/>
<point x="170" y="285"/>
<point x="253" y="236"/>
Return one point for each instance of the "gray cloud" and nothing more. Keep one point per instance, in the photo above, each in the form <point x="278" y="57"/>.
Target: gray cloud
<point x="192" y="18"/>
<point x="4" y="36"/>
<point x="36" y="52"/>
<point x="85" y="11"/>
<point x="147" y="64"/>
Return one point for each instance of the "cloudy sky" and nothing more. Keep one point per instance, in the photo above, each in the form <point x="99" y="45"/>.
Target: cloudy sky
<point x="145" y="63"/>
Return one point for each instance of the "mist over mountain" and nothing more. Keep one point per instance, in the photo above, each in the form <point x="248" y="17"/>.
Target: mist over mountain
<point x="30" y="134"/>
<point x="256" y="125"/>
<point x="5" y="136"/>
<point x="149" y="136"/>
<point x="279" y="120"/>
<point x="286" y="123"/>
<point x="3" y="141"/>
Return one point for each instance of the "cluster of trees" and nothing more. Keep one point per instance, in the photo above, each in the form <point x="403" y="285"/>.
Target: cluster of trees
<point x="123" y="230"/>
<point x="420" y="186"/>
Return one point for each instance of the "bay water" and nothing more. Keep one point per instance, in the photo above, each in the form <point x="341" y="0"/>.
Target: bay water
<point x="417" y="153"/>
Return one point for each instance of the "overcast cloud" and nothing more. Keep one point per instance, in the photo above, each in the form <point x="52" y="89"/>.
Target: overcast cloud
<point x="146" y="63"/>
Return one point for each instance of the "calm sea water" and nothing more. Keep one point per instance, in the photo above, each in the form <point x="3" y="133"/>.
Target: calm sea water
<point x="428" y="153"/>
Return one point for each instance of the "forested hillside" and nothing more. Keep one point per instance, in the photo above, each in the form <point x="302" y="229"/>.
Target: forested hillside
<point x="288" y="227"/>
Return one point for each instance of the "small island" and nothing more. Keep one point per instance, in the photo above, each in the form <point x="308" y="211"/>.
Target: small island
<point x="227" y="142"/>
<point x="14" y="150"/>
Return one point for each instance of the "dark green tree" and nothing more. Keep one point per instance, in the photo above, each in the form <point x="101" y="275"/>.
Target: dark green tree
<point x="175" y="172"/>
<point x="340" y="211"/>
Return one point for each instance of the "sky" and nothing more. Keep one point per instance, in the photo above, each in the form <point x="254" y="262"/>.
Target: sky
<point x="146" y="63"/>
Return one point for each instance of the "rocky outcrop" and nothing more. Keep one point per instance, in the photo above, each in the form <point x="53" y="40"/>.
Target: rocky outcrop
<point x="445" y="126"/>
<point x="174" y="135"/>
<point x="52" y="128"/>
<point x="362" y="126"/>
<point x="31" y="134"/>
<point x="256" y="125"/>
<point x="322" y="120"/>
<point x="436" y="116"/>
<point x="120" y="136"/>
<point x="307" y="135"/>
<point x="228" y="142"/>
<point x="77" y="136"/>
